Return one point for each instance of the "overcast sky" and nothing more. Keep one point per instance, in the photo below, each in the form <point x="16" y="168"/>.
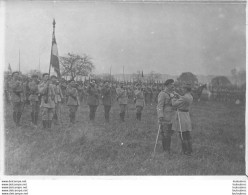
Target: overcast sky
<point x="164" y="37"/>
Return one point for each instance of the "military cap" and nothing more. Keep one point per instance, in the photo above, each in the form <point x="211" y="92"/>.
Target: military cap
<point x="43" y="75"/>
<point x="53" y="76"/>
<point x="34" y="75"/>
<point x="15" y="73"/>
<point x="168" y="82"/>
<point x="187" y="86"/>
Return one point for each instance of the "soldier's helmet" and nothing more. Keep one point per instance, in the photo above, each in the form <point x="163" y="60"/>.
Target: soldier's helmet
<point x="15" y="73"/>
<point x="45" y="75"/>
<point x="168" y="82"/>
<point x="35" y="75"/>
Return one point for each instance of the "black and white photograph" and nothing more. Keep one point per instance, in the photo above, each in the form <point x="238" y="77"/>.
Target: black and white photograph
<point x="124" y="88"/>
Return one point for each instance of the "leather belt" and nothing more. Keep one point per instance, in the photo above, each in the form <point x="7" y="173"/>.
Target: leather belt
<point x="182" y="110"/>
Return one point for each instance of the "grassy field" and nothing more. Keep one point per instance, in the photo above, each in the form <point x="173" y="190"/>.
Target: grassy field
<point x="98" y="148"/>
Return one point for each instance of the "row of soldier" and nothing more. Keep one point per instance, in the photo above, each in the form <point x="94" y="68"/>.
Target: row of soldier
<point x="48" y="94"/>
<point x="227" y="93"/>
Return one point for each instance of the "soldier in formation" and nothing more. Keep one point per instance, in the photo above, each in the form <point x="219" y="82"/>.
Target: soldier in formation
<point x="17" y="97"/>
<point x="93" y="99"/>
<point x="122" y="98"/>
<point x="47" y="91"/>
<point x="73" y="100"/>
<point x="106" y="100"/>
<point x="139" y="100"/>
<point x="34" y="99"/>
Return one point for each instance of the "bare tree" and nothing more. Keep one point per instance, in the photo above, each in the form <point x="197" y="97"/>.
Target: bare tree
<point x="74" y="65"/>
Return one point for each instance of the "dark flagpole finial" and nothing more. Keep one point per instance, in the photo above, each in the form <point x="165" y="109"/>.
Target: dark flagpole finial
<point x="54" y="23"/>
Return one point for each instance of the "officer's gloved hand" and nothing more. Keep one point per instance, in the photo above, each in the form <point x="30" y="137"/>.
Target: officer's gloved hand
<point x="161" y="120"/>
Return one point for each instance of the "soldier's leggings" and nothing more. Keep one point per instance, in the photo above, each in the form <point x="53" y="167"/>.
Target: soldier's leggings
<point x="106" y="111"/>
<point x="58" y="110"/>
<point x="139" y="109"/>
<point x="93" y="109"/>
<point x="72" y="112"/>
<point x="17" y="106"/>
<point x="186" y="142"/>
<point x="166" y="134"/>
<point x="123" y="108"/>
<point x="35" y="107"/>
<point x="47" y="113"/>
<point x="17" y="111"/>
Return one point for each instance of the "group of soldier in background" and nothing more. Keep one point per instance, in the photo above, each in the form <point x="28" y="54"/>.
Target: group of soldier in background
<point x="46" y="95"/>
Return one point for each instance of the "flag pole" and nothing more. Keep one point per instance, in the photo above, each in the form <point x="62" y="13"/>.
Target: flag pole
<point x="52" y="47"/>
<point x="39" y="62"/>
<point x="19" y="62"/>
<point x="110" y="74"/>
<point x="123" y="74"/>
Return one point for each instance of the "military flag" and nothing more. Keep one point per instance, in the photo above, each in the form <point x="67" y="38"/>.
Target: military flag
<point x="54" y="60"/>
<point x="9" y="69"/>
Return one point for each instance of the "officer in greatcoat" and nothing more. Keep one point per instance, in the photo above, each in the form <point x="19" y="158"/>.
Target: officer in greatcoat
<point x="47" y="91"/>
<point x="165" y="113"/>
<point x="93" y="99"/>
<point x="73" y="100"/>
<point x="17" y="97"/>
<point x="139" y="100"/>
<point x="181" y="121"/>
<point x="106" y="100"/>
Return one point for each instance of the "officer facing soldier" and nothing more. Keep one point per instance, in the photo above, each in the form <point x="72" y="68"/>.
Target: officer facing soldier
<point x="165" y="113"/>
<point x="181" y="121"/>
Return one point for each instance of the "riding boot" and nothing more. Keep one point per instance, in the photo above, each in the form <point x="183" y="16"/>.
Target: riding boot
<point x="18" y="118"/>
<point x="36" y="114"/>
<point x="32" y="117"/>
<point x="168" y="144"/>
<point x="70" y="116"/>
<point x="49" y="124"/>
<point x="73" y="117"/>
<point x="184" y="147"/>
<point x="55" y="116"/>
<point x="93" y="116"/>
<point x="123" y="116"/>
<point x="44" y="124"/>
<point x="164" y="145"/>
<point x="15" y="117"/>
<point x="107" y="117"/>
<point x="140" y="116"/>
<point x="189" y="148"/>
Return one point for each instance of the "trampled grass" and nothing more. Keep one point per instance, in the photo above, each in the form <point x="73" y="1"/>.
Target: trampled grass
<point x="99" y="148"/>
